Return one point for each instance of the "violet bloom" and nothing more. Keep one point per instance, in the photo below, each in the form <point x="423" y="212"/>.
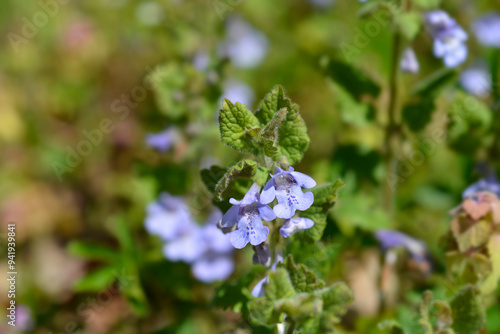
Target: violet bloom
<point x="487" y="29"/>
<point x="216" y="262"/>
<point x="476" y="81"/>
<point x="168" y="217"/>
<point x="409" y="62"/>
<point x="206" y="248"/>
<point x="286" y="187"/>
<point x="448" y="37"/>
<point x="24" y="318"/>
<point x="390" y="239"/>
<point x="237" y="91"/>
<point x="294" y="225"/>
<point x="490" y="184"/>
<point x="244" y="45"/>
<point x="164" y="140"/>
<point x="248" y="214"/>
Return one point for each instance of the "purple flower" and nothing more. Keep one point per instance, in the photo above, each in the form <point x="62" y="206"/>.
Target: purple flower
<point x="237" y="91"/>
<point x="206" y="248"/>
<point x="164" y="140"/>
<point x="487" y="29"/>
<point x="490" y="184"/>
<point x="24" y="319"/>
<point x="248" y="214"/>
<point x="390" y="239"/>
<point x="476" y="81"/>
<point x="244" y="45"/>
<point x="286" y="187"/>
<point x="294" y="225"/>
<point x="409" y="62"/>
<point x="448" y="36"/>
<point x="262" y="254"/>
<point x="168" y="217"/>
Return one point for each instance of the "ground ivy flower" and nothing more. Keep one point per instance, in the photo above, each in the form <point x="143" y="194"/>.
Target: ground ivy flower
<point x="237" y="91"/>
<point x="487" y="29"/>
<point x="164" y="140"/>
<point x="409" y="62"/>
<point x="168" y="217"/>
<point x="489" y="184"/>
<point x="391" y="239"/>
<point x="448" y="37"/>
<point x="294" y="225"/>
<point x="476" y="80"/>
<point x="206" y="248"/>
<point x="244" y="45"/>
<point x="248" y="214"/>
<point x="286" y="187"/>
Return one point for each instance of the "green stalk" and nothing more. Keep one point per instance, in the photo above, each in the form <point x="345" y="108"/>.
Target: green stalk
<point x="392" y="130"/>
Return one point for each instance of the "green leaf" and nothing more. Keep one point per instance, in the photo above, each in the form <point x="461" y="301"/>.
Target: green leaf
<point x="243" y="169"/>
<point x="261" y="175"/>
<point x="425" y="309"/>
<point x="212" y="176"/>
<point x="303" y="280"/>
<point x="431" y="86"/>
<point x="391" y="325"/>
<point x="236" y="124"/>
<point x="279" y="285"/>
<point x="292" y="139"/>
<point x="351" y="110"/>
<point x="427" y="4"/>
<point x="99" y="280"/>
<point x="271" y="131"/>
<point x="336" y="300"/>
<point x="417" y="114"/>
<point x="409" y="24"/>
<point x="324" y="199"/>
<point x="354" y="81"/>
<point x="263" y="312"/>
<point x="491" y="282"/>
<point x="468" y="312"/>
<point x="92" y="251"/>
<point x="470" y="236"/>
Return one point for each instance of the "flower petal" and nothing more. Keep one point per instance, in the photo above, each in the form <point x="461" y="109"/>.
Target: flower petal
<point x="302" y="201"/>
<point x="213" y="268"/>
<point x="269" y="193"/>
<point x="266" y="213"/>
<point x="294" y="225"/>
<point x="231" y="217"/>
<point x="303" y="180"/>
<point x="258" y="289"/>
<point x="259" y="232"/>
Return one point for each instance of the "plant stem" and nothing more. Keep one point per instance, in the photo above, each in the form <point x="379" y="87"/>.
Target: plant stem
<point x="392" y="130"/>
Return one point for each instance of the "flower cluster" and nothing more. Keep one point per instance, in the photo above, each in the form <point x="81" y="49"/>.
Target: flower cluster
<point x="247" y="214"/>
<point x="448" y="37"/>
<point x="206" y="248"/>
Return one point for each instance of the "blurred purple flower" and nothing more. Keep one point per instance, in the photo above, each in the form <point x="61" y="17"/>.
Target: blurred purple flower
<point x="490" y="184"/>
<point x="248" y="213"/>
<point x="294" y="225"/>
<point x="24" y="319"/>
<point x="448" y="37"/>
<point x="390" y="239"/>
<point x="244" y="45"/>
<point x="201" y="61"/>
<point x="163" y="141"/>
<point x="322" y="3"/>
<point x="238" y="91"/>
<point x="168" y="217"/>
<point x="409" y="62"/>
<point x="476" y="81"/>
<point x="286" y="187"/>
<point x="487" y="29"/>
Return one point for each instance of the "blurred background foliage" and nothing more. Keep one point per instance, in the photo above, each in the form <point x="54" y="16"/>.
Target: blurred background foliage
<point x="80" y="236"/>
